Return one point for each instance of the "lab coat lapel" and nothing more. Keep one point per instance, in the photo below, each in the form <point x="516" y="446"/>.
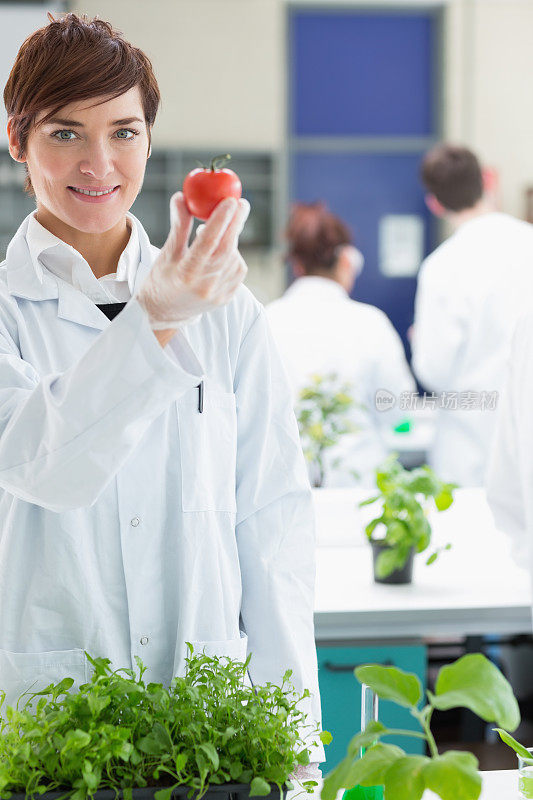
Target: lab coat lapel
<point x="25" y="281"/>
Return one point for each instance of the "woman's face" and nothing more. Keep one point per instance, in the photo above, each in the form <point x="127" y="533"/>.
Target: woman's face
<point x="96" y="149"/>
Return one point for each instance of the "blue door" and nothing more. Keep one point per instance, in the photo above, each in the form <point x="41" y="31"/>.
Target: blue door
<point x="363" y="103"/>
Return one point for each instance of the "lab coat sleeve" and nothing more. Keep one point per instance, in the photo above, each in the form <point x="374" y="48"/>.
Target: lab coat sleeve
<point x="63" y="436"/>
<point x="505" y="493"/>
<point x="275" y="526"/>
<point x="392" y="373"/>
<point x="438" y="330"/>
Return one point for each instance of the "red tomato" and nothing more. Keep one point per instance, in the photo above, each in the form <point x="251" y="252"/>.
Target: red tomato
<point x="205" y="187"/>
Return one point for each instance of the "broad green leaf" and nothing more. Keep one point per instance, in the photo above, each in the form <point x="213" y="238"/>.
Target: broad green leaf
<point x="259" y="788"/>
<point x="163" y="794"/>
<point x="516" y="746"/>
<point x="391" y="683"/>
<point x="388" y="560"/>
<point x="373" y="731"/>
<point x="453" y="776"/>
<point x="325" y="737"/>
<point x="180" y="761"/>
<point x="370" y="769"/>
<point x="210" y="751"/>
<point x="404" y="780"/>
<point x="444" y="500"/>
<point x="337" y="779"/>
<point x="475" y="683"/>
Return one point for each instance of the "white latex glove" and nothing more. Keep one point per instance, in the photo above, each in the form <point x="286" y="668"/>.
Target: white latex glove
<point x="186" y="281"/>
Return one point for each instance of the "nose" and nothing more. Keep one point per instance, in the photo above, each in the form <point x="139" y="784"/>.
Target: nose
<point x="98" y="161"/>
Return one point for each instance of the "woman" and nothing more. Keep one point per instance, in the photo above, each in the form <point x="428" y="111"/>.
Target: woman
<point x="152" y="487"/>
<point x="320" y="329"/>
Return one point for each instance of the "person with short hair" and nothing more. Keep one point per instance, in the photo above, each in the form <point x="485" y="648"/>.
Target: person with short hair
<point x="319" y="329"/>
<point x="471" y="291"/>
<point x="153" y="489"/>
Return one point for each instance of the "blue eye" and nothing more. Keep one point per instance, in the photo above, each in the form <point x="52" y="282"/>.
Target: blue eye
<point x="122" y="130"/>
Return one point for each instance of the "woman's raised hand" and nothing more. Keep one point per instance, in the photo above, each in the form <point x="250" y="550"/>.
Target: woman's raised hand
<point x="187" y="280"/>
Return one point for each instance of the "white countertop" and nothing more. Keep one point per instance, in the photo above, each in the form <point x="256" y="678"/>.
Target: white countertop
<point x="475" y="588"/>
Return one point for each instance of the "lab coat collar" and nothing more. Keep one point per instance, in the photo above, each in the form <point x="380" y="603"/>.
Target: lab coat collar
<point x="317" y="285"/>
<point x="27" y="279"/>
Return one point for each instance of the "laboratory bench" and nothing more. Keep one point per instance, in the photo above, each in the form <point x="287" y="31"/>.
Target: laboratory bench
<point x="473" y="590"/>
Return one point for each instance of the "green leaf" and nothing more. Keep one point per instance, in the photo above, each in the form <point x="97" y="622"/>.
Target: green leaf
<point x="433" y="557"/>
<point x="373" y="731"/>
<point x="516" y="746"/>
<point x="474" y="682"/>
<point x="259" y="788"/>
<point x="210" y="751"/>
<point x="391" y="683"/>
<point x="443" y="500"/>
<point x="370" y="769"/>
<point x="163" y="794"/>
<point x="388" y="560"/>
<point x="405" y="780"/>
<point x="325" y="737"/>
<point x="453" y="776"/>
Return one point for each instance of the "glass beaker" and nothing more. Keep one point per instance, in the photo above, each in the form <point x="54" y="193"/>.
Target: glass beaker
<point x="525" y="776"/>
<point x="369" y="712"/>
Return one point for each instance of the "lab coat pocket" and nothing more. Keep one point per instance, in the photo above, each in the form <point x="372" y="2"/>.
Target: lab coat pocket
<point x="23" y="672"/>
<point x="208" y="446"/>
<point x="230" y="648"/>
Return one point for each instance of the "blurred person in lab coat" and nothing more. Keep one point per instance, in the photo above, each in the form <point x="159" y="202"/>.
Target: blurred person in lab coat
<point x="471" y="291"/>
<point x="320" y="329"/>
<point x="153" y="489"/>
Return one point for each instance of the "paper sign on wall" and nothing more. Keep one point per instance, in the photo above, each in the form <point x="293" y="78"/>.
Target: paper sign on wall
<point x="400" y="245"/>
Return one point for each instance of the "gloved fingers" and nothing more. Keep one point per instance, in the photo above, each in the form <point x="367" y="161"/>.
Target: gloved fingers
<point x="210" y="235"/>
<point x="213" y="285"/>
<point x="230" y="239"/>
<point x="180" y="226"/>
<point x="233" y="284"/>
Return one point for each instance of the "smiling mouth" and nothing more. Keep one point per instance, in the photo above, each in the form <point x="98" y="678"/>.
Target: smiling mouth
<point x="93" y="192"/>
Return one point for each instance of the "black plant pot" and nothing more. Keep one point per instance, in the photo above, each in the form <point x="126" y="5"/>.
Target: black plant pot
<point x="226" y="791"/>
<point x="403" y="575"/>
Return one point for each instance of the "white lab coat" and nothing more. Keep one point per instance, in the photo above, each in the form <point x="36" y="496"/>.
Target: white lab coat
<point x="319" y="329"/>
<point x="471" y="291"/>
<point x="130" y="523"/>
<point x="510" y="471"/>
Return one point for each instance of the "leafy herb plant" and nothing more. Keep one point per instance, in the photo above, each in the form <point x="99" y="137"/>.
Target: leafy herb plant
<point x="402" y="494"/>
<point x="322" y="412"/>
<point x="117" y="732"/>
<point x="471" y="682"/>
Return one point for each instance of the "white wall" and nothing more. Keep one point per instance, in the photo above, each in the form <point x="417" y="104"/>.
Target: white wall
<point x="219" y="65"/>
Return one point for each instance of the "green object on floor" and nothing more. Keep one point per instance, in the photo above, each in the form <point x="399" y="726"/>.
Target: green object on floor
<point x="403" y="427"/>
<point x="364" y="793"/>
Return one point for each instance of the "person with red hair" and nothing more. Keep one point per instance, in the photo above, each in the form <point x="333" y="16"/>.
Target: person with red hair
<point x="319" y="329"/>
<point x="153" y="489"/>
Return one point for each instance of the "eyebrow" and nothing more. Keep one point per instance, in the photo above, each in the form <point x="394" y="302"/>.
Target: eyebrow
<point x="73" y="124"/>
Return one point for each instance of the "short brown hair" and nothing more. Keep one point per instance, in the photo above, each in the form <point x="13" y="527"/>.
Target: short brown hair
<point x="453" y="175"/>
<point x="74" y="58"/>
<point x="314" y="234"/>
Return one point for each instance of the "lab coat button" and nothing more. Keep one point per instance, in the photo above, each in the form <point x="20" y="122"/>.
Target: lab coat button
<point x="144" y="640"/>
<point x="135" y="521"/>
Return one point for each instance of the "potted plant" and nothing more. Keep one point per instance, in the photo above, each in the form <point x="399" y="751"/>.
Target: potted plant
<point x="471" y="682"/>
<point x="208" y="733"/>
<point x="402" y="527"/>
<point x="322" y="412"/>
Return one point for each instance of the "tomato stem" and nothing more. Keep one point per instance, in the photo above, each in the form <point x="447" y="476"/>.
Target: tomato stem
<point x="218" y="161"/>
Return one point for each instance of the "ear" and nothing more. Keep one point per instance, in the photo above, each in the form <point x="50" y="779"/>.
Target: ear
<point x="490" y="179"/>
<point x="434" y="206"/>
<point x="297" y="269"/>
<point x="13" y="142"/>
